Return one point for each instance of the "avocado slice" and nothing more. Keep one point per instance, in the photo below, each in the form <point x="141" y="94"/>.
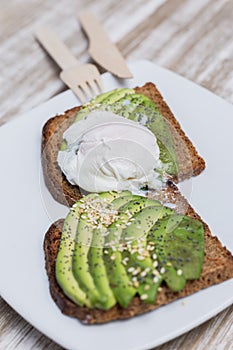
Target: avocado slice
<point x="80" y="261"/>
<point x="63" y="267"/>
<point x="96" y="264"/>
<point x="98" y="271"/>
<point x="117" y="275"/>
<point x="179" y="245"/>
<point x="101" y="100"/>
<point x="143" y="221"/>
<point x="139" y="228"/>
<point x="80" y="264"/>
<point x="120" y="280"/>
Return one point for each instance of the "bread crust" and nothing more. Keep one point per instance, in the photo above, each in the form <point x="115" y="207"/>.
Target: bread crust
<point x="190" y="162"/>
<point x="217" y="267"/>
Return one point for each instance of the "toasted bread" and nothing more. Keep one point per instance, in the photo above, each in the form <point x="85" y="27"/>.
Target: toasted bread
<point x="189" y="161"/>
<point x="217" y="267"/>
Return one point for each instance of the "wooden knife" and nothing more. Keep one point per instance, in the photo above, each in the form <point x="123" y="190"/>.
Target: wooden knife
<point x="101" y="49"/>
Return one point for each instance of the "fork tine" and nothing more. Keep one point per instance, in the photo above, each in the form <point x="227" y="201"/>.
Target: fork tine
<point x="99" y="83"/>
<point x="79" y="93"/>
<point x="93" y="86"/>
<point x="84" y="86"/>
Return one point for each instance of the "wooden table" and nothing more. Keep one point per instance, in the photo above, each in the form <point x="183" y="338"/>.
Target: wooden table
<point x="192" y="38"/>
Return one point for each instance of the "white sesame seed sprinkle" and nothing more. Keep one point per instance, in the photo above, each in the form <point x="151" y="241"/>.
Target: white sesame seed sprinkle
<point x="179" y="272"/>
<point x="140" y="257"/>
<point x="131" y="269"/>
<point x="143" y="296"/>
<point x="162" y="270"/>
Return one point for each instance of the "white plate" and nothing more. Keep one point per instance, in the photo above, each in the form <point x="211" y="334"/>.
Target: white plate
<point x="207" y="119"/>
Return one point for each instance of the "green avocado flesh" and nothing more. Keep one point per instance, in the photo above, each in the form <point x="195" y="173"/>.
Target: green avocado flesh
<point x="115" y="246"/>
<point x="139" y="108"/>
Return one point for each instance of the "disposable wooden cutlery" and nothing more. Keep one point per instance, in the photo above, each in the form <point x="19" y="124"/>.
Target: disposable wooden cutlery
<point x="83" y="79"/>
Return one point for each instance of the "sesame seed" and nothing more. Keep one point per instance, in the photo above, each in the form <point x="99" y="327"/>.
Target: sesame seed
<point x="169" y="264"/>
<point x="131" y="269"/>
<point x="154" y="256"/>
<point x="143" y="296"/>
<point x="147" y="287"/>
<point x="105" y="251"/>
<point x="179" y="272"/>
<point x="156" y="279"/>
<point x="138" y="227"/>
<point x="136" y="284"/>
<point x="136" y="272"/>
<point x="155" y="263"/>
<point x="140" y="257"/>
<point x="162" y="270"/>
<point x="113" y="257"/>
<point x="141" y="251"/>
<point x="143" y="273"/>
<point x="160" y="289"/>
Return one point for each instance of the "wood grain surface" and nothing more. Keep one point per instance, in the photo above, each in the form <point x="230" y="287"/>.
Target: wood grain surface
<point x="193" y="38"/>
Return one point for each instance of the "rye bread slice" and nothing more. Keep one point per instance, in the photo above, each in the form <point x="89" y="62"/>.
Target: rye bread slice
<point x="217" y="267"/>
<point x="190" y="162"/>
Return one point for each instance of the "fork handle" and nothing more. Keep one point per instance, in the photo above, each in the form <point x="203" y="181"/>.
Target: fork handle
<point x="56" y="48"/>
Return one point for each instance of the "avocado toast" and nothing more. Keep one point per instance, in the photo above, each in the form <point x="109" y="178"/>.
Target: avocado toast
<point x="185" y="161"/>
<point x="111" y="287"/>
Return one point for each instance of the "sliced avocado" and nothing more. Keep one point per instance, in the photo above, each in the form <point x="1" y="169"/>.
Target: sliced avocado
<point x="102" y="100"/>
<point x="137" y="232"/>
<point x="95" y="256"/>
<point x="116" y="95"/>
<point x="179" y="244"/>
<point x="125" y="106"/>
<point x="80" y="261"/>
<point x="143" y="221"/>
<point x="146" y="283"/>
<point x="157" y="124"/>
<point x="98" y="271"/>
<point x="63" y="268"/>
<point x="91" y="105"/>
<point x="84" y="237"/>
<point x="117" y="275"/>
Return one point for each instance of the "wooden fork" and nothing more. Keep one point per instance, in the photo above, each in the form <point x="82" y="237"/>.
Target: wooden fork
<point x="83" y="79"/>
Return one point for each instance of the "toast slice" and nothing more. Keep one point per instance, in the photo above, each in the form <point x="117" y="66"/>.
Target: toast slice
<point x="217" y="267"/>
<point x="189" y="161"/>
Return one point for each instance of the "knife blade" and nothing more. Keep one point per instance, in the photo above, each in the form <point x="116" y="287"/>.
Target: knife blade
<point x="101" y="49"/>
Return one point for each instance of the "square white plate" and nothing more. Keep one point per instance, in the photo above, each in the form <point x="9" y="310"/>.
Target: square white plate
<point x="207" y="120"/>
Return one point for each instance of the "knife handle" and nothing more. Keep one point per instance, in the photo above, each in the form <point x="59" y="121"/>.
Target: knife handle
<point x="56" y="48"/>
